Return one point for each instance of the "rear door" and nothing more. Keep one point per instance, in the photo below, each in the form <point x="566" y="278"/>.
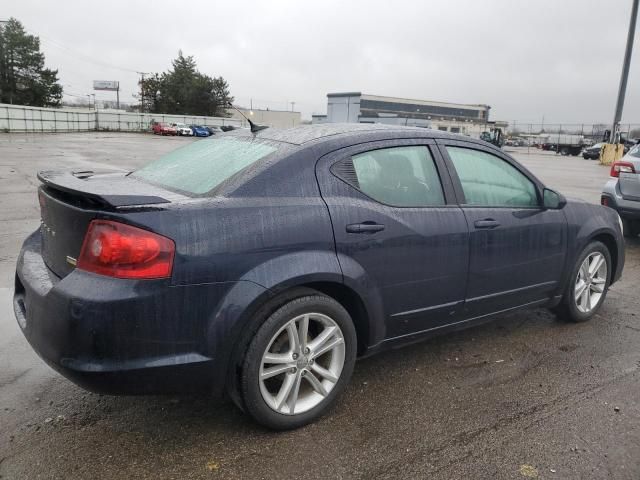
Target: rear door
<point x="516" y="247"/>
<point x="398" y="230"/>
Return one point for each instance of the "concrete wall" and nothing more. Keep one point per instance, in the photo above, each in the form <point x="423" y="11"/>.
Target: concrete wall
<point x="17" y="118"/>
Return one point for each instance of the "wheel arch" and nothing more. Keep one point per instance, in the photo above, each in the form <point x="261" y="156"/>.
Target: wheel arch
<point x="609" y="241"/>
<point x="264" y="304"/>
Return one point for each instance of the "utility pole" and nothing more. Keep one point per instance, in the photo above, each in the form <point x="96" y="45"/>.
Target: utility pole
<point x="142" y="74"/>
<point x="293" y="105"/>
<point x="625" y="71"/>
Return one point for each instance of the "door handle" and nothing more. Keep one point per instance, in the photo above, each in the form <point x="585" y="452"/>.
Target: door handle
<point x="487" y="223"/>
<point x="366" y="227"/>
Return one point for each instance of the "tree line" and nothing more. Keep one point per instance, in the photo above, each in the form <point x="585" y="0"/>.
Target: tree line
<point x="181" y="90"/>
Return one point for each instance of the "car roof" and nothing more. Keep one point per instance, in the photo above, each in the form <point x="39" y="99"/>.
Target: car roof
<point x="303" y="134"/>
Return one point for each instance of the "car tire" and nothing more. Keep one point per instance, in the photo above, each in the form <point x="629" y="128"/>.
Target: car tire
<point x="307" y="383"/>
<point x="597" y="283"/>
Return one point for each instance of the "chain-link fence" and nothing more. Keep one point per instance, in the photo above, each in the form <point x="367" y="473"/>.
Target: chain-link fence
<point x="591" y="132"/>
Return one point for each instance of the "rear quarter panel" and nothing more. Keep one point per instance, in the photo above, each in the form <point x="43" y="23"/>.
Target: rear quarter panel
<point x="265" y="234"/>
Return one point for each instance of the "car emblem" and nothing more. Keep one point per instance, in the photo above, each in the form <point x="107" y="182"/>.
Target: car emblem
<point x="46" y="229"/>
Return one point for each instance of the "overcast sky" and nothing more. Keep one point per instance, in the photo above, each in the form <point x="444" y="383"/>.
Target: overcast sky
<point x="560" y="59"/>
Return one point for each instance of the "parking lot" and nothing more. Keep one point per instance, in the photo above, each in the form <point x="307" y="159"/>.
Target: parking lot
<point x="522" y="397"/>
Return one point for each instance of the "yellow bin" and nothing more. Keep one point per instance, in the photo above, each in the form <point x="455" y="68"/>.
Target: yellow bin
<point x="611" y="152"/>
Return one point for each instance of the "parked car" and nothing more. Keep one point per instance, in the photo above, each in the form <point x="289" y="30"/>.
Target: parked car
<point x="593" y="152"/>
<point x="199" y="131"/>
<point x="160" y="128"/>
<point x="268" y="269"/>
<point x="182" y="129"/>
<point x="214" y="130"/>
<point x="622" y="191"/>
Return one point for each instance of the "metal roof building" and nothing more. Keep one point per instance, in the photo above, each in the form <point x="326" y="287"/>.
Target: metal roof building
<point x="357" y="107"/>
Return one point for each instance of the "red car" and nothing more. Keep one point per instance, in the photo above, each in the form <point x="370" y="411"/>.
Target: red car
<point x="163" y="129"/>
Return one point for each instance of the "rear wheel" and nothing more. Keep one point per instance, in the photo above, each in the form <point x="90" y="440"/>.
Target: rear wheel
<point x="564" y="151"/>
<point x="588" y="285"/>
<point x="298" y="362"/>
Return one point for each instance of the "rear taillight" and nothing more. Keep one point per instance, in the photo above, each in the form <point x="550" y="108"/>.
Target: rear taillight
<point x="119" y="250"/>
<point x="621" y="167"/>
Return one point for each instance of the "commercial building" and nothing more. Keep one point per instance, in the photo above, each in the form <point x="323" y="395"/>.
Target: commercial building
<point x="357" y="107"/>
<point x="271" y="118"/>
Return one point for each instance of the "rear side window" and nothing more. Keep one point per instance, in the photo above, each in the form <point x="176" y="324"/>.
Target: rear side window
<point x="203" y="165"/>
<point x="399" y="176"/>
<point x="488" y="180"/>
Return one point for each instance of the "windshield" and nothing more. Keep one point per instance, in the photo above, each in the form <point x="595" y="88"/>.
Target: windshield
<point x="201" y="166"/>
<point x="635" y="151"/>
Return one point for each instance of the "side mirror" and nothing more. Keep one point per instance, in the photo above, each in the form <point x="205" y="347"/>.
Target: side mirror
<point x="553" y="200"/>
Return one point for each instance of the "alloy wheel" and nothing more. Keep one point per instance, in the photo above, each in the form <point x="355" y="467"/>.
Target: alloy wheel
<point x="590" y="282"/>
<point x="302" y="363"/>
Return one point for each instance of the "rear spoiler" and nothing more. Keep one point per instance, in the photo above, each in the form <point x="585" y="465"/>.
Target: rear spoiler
<point x="114" y="188"/>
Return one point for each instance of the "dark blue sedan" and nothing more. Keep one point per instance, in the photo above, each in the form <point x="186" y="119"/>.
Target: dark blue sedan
<point x="263" y="265"/>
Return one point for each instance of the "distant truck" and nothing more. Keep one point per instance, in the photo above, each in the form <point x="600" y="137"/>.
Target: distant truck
<point x="564" y="144"/>
<point x="493" y="136"/>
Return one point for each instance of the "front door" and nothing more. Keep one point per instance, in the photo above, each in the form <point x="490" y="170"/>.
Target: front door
<point x="516" y="247"/>
<point x="398" y="231"/>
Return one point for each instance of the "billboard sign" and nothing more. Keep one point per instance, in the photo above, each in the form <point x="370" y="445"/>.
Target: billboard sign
<point x="106" y="85"/>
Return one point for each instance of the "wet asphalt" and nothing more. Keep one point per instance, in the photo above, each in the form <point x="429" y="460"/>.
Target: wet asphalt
<point x="522" y="397"/>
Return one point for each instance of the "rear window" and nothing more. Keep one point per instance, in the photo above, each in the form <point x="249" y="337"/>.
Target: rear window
<point x="203" y="165"/>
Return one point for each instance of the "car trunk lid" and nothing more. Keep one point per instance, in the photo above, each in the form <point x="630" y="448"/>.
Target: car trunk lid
<point x="70" y="200"/>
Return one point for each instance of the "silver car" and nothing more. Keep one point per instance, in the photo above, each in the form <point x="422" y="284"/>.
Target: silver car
<point x="622" y="191"/>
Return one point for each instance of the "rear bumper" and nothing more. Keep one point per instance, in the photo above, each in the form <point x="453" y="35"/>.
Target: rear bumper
<point x="122" y="336"/>
<point x="626" y="208"/>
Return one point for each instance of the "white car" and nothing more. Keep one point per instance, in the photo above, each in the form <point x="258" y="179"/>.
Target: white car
<point x="182" y="129"/>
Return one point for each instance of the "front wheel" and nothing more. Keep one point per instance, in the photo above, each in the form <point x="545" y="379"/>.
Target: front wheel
<point x="298" y="362"/>
<point x="631" y="227"/>
<point x="588" y="284"/>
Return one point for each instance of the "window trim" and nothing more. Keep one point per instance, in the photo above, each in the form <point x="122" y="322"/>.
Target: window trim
<point x="457" y="184"/>
<point x="449" y="199"/>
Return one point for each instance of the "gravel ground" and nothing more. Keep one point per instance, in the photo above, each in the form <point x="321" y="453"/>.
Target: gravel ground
<point x="522" y="397"/>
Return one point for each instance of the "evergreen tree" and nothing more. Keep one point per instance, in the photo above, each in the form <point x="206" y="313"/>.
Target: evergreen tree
<point x="183" y="90"/>
<point x="23" y="78"/>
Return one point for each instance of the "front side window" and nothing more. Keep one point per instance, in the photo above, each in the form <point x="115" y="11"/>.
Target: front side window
<point x="488" y="180"/>
<point x="201" y="166"/>
<point x="399" y="176"/>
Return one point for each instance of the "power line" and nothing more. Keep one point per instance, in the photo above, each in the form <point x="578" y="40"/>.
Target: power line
<point x="82" y="56"/>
